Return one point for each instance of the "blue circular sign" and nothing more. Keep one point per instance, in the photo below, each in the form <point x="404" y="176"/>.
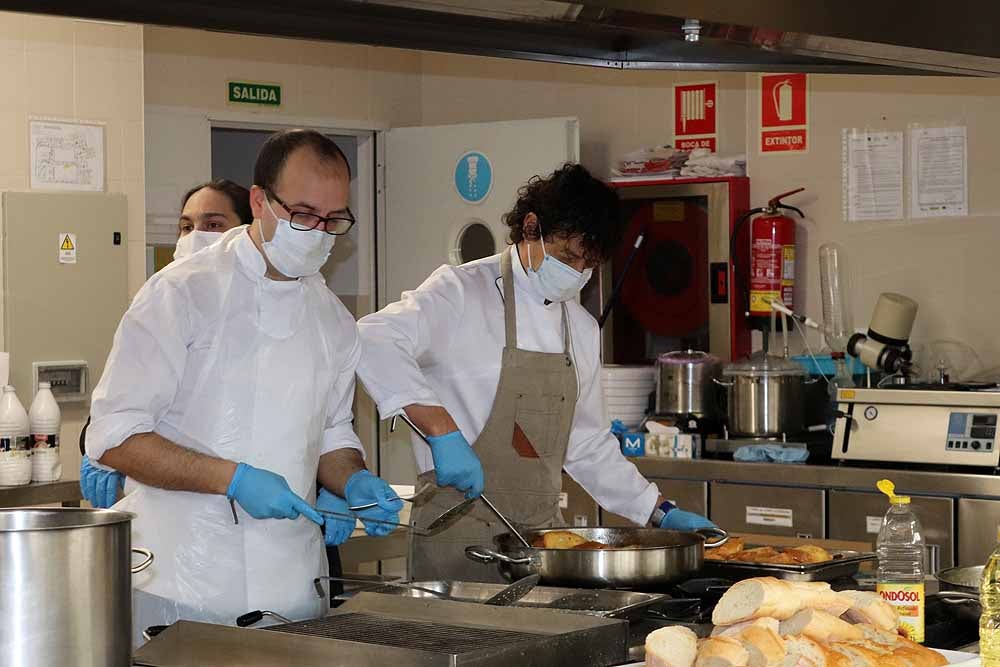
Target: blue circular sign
<point x="473" y="177"/>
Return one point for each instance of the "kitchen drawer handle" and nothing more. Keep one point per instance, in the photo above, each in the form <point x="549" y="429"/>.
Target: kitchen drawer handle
<point x="144" y="564"/>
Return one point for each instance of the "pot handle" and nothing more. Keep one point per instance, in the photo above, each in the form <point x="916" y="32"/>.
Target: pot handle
<point x="144" y="564"/>
<point x="713" y="532"/>
<point x="486" y="556"/>
<point x="956" y="597"/>
<point x="811" y="380"/>
<point x="719" y="382"/>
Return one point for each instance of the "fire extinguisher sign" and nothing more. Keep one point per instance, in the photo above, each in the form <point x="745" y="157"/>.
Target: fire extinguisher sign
<point x="784" y="110"/>
<point x="695" y="112"/>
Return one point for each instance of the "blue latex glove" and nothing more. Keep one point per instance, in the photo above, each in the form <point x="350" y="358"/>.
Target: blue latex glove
<point x="455" y="464"/>
<point x="265" y="495"/>
<point x="363" y="488"/>
<point x="336" y="530"/>
<point x="677" y="519"/>
<point x="99" y="486"/>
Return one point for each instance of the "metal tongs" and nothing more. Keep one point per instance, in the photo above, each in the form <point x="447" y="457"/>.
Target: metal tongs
<point x="455" y="510"/>
<point x="352" y="517"/>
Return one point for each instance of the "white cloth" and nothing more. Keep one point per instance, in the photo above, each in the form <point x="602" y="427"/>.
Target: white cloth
<point x="704" y="163"/>
<point x="216" y="357"/>
<point x="441" y="345"/>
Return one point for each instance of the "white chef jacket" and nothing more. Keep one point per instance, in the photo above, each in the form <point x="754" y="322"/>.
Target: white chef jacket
<point x="214" y="356"/>
<point x="441" y="345"/>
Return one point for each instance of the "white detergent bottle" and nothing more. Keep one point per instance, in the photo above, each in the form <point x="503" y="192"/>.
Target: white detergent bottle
<point x="15" y="462"/>
<point x="45" y="419"/>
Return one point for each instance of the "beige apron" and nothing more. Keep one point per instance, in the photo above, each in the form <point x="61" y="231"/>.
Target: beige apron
<point x="522" y="448"/>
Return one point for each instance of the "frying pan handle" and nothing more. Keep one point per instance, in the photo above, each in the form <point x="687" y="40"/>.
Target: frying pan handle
<point x="486" y="556"/>
<point x="956" y="597"/>
<point x="713" y="532"/>
<point x="723" y="384"/>
<point x="144" y="564"/>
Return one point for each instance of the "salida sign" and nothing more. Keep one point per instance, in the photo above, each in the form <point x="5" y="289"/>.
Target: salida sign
<point x="784" y="113"/>
<point x="242" y="92"/>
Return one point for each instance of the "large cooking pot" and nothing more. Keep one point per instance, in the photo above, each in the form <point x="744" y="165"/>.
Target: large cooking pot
<point x="684" y="383"/>
<point x="66" y="587"/>
<point x="765" y="396"/>
<point x="661" y="557"/>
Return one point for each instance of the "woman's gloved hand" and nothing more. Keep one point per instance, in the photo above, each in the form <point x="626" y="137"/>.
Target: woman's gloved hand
<point x="364" y="488"/>
<point x="678" y="519"/>
<point x="266" y="495"/>
<point x="336" y="530"/>
<point x="99" y="485"/>
<point x="456" y="464"/>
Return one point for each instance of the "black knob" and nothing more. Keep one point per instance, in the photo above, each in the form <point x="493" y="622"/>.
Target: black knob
<point x="975" y="444"/>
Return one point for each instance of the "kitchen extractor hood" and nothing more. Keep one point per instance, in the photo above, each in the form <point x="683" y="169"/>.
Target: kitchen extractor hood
<point x="850" y="36"/>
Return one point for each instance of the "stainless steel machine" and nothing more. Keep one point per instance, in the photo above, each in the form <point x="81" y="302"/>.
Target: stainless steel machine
<point x="949" y="425"/>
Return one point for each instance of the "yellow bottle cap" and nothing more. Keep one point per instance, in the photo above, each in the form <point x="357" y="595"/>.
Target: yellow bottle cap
<point x="889" y="489"/>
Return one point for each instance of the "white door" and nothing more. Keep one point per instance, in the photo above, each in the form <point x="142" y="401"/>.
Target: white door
<point x="446" y="189"/>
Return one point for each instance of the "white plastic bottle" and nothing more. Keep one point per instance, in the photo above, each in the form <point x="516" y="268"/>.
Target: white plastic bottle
<point x="15" y="463"/>
<point x="45" y="419"/>
<point x="901" y="551"/>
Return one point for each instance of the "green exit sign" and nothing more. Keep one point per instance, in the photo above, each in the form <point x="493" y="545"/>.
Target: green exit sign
<point x="242" y="92"/>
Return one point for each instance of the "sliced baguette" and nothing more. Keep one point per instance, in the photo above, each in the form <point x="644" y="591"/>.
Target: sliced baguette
<point x="673" y="646"/>
<point x="918" y="655"/>
<point x="819" y="595"/>
<point x="721" y="652"/>
<point x="755" y="598"/>
<point x="763" y="644"/>
<point x="738" y="628"/>
<point x="821" y="626"/>
<point x="804" y="652"/>
<point x="868" y="607"/>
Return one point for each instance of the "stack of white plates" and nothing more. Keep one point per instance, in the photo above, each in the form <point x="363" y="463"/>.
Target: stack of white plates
<point x="627" y="390"/>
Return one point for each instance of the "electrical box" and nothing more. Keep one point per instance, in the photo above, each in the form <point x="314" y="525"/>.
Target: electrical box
<point x="65" y="275"/>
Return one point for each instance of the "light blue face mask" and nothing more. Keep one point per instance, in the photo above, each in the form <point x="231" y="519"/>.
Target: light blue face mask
<point x="556" y="280"/>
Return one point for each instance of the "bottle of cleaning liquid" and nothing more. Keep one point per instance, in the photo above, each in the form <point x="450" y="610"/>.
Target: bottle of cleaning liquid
<point x="989" y="620"/>
<point x="45" y="419"/>
<point x="15" y="464"/>
<point x="900" y="548"/>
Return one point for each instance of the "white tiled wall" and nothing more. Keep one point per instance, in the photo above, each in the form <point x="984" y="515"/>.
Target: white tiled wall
<point x="76" y="70"/>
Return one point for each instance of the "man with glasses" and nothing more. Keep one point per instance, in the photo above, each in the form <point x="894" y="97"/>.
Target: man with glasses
<point x="228" y="394"/>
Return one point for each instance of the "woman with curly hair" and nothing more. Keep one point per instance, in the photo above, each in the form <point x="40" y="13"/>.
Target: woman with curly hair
<point x="499" y="353"/>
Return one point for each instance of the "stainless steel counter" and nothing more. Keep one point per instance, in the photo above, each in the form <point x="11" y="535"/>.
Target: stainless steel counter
<point x="822" y="476"/>
<point x="65" y="491"/>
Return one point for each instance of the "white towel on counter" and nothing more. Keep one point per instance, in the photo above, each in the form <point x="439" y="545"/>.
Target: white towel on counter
<point x="703" y="163"/>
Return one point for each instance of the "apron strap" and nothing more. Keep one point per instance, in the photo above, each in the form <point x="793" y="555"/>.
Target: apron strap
<point x="509" y="308"/>
<point x="567" y="343"/>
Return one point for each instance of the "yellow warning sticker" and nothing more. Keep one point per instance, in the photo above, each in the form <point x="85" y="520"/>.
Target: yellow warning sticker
<point x="67" y="248"/>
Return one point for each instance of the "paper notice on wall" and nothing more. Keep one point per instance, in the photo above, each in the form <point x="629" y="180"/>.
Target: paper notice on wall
<point x="873" y="524"/>
<point x="938" y="172"/>
<point x="67" y="156"/>
<point x="872" y="164"/>
<point x="769" y="516"/>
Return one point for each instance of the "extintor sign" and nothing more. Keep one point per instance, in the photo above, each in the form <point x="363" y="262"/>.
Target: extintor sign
<point x="784" y="113"/>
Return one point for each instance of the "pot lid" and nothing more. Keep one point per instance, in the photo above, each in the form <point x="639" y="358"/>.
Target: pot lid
<point x="686" y="357"/>
<point x="759" y="363"/>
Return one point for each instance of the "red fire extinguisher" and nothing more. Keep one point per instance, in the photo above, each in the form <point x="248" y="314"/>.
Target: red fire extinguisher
<point x="771" y="273"/>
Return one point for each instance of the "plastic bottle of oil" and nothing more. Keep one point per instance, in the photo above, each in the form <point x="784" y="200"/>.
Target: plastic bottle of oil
<point x="989" y="621"/>
<point x="901" y="551"/>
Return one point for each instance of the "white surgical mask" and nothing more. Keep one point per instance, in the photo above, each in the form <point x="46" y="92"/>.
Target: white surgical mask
<point x="194" y="241"/>
<point x="295" y="253"/>
<point x="557" y="281"/>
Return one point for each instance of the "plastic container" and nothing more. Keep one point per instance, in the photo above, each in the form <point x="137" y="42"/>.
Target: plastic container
<point x="900" y="575"/>
<point x="15" y="461"/>
<point x="989" y="620"/>
<point x="45" y="418"/>
<point x="838" y="323"/>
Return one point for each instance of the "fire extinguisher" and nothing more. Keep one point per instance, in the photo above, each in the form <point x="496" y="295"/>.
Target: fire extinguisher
<point x="771" y="272"/>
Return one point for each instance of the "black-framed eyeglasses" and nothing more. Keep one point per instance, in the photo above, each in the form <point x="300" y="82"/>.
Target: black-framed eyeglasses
<point x="335" y="225"/>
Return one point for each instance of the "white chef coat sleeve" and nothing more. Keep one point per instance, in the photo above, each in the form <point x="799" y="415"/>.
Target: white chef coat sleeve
<point x="406" y="335"/>
<point x="144" y="369"/>
<point x="339" y="431"/>
<point x="594" y="457"/>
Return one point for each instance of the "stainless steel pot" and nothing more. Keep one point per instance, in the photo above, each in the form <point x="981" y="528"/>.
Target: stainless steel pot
<point x="684" y="383"/>
<point x="65" y="587"/>
<point x="765" y="396"/>
<point x="662" y="557"/>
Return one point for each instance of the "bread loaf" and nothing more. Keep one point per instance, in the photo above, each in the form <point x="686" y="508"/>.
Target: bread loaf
<point x="721" y="652"/>
<point x="820" y="626"/>
<point x="673" y="646"/>
<point x="755" y="598"/>
<point x="868" y="607"/>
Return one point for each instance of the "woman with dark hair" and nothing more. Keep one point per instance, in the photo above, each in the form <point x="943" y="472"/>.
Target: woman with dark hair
<point x="207" y="211"/>
<point x="498" y="352"/>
